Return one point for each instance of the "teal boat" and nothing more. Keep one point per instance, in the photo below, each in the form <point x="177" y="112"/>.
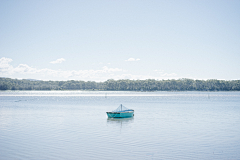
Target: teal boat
<point x="121" y="112"/>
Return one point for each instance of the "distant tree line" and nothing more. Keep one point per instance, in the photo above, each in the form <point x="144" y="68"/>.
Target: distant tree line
<point x="123" y="85"/>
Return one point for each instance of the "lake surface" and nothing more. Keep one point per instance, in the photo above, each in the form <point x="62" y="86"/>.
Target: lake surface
<point x="60" y="125"/>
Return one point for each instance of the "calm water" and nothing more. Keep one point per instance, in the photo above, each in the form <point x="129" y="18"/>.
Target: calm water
<point x="60" y="125"/>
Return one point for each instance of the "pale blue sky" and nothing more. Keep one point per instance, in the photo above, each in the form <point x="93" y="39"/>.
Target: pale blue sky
<point x="99" y="40"/>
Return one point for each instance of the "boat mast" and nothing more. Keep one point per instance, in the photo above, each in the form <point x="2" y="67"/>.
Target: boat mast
<point x="121" y="107"/>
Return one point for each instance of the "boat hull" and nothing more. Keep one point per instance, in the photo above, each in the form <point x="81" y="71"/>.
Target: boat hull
<point x="120" y="114"/>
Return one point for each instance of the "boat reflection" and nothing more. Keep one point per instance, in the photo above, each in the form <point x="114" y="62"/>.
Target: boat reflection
<point x="120" y="121"/>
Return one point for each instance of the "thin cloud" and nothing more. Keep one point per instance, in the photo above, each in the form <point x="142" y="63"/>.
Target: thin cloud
<point x="24" y="68"/>
<point x="163" y="74"/>
<point x="101" y="74"/>
<point x="133" y="59"/>
<point x="159" y="71"/>
<point x="169" y="75"/>
<point x="7" y="69"/>
<point x="60" y="60"/>
<point x="4" y="64"/>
